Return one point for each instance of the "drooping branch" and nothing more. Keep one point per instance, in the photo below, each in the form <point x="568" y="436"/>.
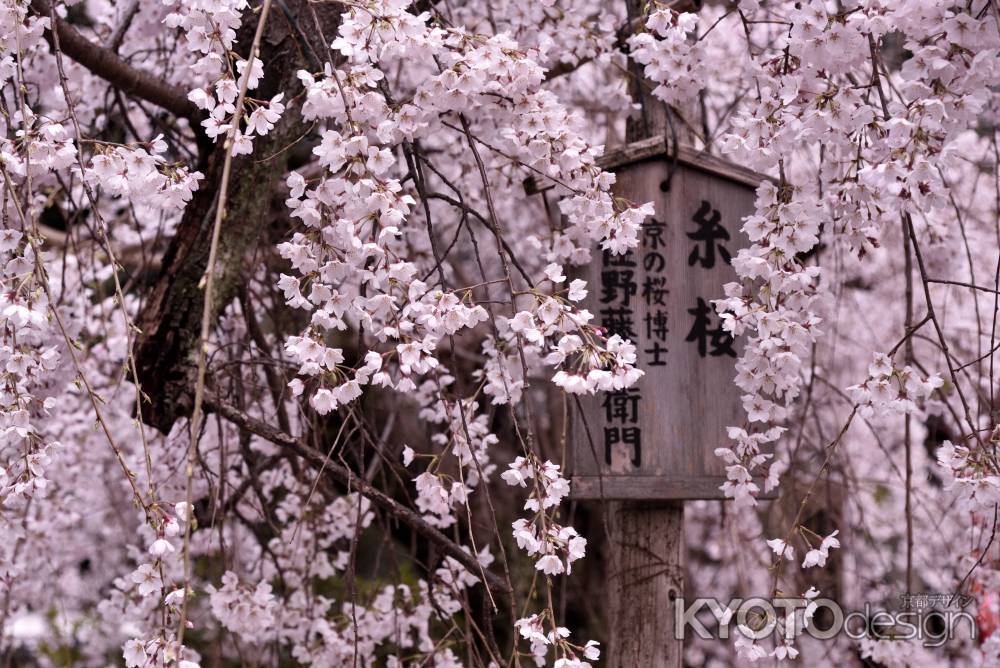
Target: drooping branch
<point x="356" y="483"/>
<point x="114" y="69"/>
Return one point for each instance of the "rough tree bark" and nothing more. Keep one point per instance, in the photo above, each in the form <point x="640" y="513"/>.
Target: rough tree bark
<point x="170" y="319"/>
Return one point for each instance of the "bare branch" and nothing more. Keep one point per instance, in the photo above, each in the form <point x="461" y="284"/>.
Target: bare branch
<point x="118" y="36"/>
<point x="113" y="69"/>
<point x="358" y="484"/>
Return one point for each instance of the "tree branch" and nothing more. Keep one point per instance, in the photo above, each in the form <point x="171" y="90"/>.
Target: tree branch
<point x="115" y="70"/>
<point x="118" y="36"/>
<point x="358" y="484"/>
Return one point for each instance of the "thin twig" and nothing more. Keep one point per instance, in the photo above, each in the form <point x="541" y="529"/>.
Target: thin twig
<point x="208" y="283"/>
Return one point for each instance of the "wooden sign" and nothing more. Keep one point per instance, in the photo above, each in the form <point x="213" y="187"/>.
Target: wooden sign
<point x="656" y="440"/>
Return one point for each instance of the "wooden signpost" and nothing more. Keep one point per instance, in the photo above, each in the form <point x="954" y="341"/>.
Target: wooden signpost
<point x="646" y="450"/>
<point x="656" y="440"/>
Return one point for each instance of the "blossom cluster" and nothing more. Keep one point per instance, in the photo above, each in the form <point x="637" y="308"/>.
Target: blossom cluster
<point x="972" y="475"/>
<point x="890" y="390"/>
<point x="210" y="30"/>
<point x="143" y="176"/>
<point x="30" y="358"/>
<point x="668" y="56"/>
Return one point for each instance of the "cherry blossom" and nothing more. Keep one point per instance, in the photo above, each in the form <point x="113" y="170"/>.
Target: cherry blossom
<point x="398" y="338"/>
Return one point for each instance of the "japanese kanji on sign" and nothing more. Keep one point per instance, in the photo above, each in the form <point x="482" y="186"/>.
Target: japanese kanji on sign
<point x="656" y="440"/>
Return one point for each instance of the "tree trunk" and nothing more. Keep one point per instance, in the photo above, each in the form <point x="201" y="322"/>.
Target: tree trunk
<point x="170" y="320"/>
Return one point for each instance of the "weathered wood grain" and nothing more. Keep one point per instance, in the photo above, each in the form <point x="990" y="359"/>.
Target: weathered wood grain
<point x="687" y="399"/>
<point x="648" y="577"/>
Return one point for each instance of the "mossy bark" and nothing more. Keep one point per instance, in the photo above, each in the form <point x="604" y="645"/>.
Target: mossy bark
<point x="170" y="320"/>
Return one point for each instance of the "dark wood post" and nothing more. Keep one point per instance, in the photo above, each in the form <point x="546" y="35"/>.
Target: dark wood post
<point x="647" y="537"/>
